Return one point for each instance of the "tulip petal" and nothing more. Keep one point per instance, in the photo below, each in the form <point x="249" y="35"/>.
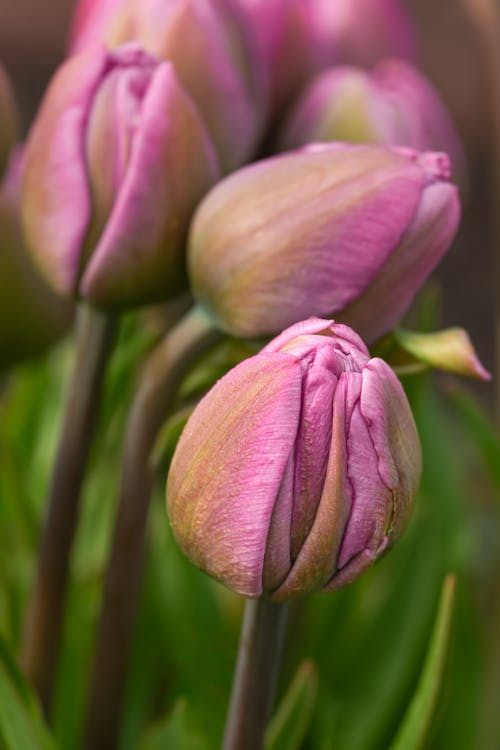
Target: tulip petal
<point x="391" y="292"/>
<point x="317" y="558"/>
<point x="371" y="507"/>
<point x="56" y="199"/>
<point x="386" y="410"/>
<point x="229" y="465"/>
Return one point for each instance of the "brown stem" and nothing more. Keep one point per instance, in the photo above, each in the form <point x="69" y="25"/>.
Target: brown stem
<point x="95" y="332"/>
<point x="256" y="674"/>
<point x="159" y="381"/>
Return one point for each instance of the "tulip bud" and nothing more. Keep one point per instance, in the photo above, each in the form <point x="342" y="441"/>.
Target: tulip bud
<point x="361" y="32"/>
<point x="285" y="38"/>
<point x="332" y="229"/>
<point x="32" y="317"/>
<point x="393" y="105"/>
<point x="116" y="162"/>
<point x="298" y="469"/>
<point x="9" y="120"/>
<point x="214" y="52"/>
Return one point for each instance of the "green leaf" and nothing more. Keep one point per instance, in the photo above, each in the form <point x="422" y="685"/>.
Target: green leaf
<point x="290" y="723"/>
<point x="450" y="349"/>
<point x="479" y="426"/>
<point x="416" y="723"/>
<point x="21" y="723"/>
<point x="172" y="731"/>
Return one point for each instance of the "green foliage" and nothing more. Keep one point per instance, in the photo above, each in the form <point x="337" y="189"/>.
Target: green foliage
<point x="21" y="723"/>
<point x="414" y="729"/>
<point x="289" y="725"/>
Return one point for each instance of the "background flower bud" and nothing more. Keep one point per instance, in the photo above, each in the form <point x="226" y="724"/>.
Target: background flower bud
<point x="214" y="51"/>
<point x="116" y="162"/>
<point x="298" y="469"/>
<point x="393" y="105"/>
<point x="32" y="317"/>
<point x="9" y="119"/>
<point x="285" y="38"/>
<point x="332" y="229"/>
<point x="362" y="32"/>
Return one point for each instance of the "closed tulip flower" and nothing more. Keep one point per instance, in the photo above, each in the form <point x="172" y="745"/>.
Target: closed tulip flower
<point x="333" y="229"/>
<point x="362" y="32"/>
<point x="116" y="162"/>
<point x="393" y="105"/>
<point x="298" y="469"/>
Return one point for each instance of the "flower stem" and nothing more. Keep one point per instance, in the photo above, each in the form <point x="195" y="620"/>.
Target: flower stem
<point x="256" y="674"/>
<point x="94" y="337"/>
<point x="160" y="378"/>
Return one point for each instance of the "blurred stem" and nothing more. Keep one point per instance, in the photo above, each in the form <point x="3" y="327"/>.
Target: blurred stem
<point x="256" y="674"/>
<point x="159" y="381"/>
<point x="94" y="337"/>
<point x="485" y="18"/>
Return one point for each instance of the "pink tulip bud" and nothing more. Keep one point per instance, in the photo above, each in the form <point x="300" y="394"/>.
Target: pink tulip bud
<point x="116" y="162"/>
<point x="361" y="32"/>
<point x="9" y="119"/>
<point x="214" y="51"/>
<point x="393" y="105"/>
<point x="336" y="229"/>
<point x="32" y="317"/>
<point x="298" y="469"/>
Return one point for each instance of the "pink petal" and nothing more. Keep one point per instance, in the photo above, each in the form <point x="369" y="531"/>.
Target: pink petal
<point x="229" y="465"/>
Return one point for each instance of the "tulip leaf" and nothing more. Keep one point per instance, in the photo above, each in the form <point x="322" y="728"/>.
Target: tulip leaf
<point x="172" y="731"/>
<point x="416" y="723"/>
<point x="480" y="429"/>
<point x="289" y="725"/>
<point x="21" y="723"/>
<point x="450" y="349"/>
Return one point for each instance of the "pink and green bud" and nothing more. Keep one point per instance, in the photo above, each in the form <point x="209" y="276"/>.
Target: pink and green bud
<point x="32" y="317"/>
<point x="214" y="52"/>
<point x="116" y="162"/>
<point x="392" y="105"/>
<point x="298" y="469"/>
<point x="333" y="229"/>
<point x="9" y="119"/>
<point x="362" y="32"/>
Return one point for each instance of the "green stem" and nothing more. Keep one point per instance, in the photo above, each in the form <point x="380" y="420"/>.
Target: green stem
<point x="160" y="379"/>
<point x="256" y="674"/>
<point x="94" y="337"/>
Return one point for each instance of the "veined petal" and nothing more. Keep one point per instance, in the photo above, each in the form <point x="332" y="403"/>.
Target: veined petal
<point x="229" y="465"/>
<point x="316" y="561"/>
